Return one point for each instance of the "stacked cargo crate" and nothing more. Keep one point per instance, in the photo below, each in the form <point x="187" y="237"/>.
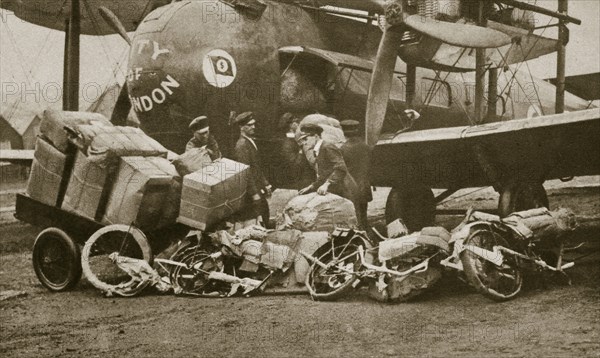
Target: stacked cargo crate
<point x="85" y="165"/>
<point x="119" y="175"/>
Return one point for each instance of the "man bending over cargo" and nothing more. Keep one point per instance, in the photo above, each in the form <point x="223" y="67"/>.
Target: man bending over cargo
<point x="332" y="172"/>
<point x="203" y="138"/>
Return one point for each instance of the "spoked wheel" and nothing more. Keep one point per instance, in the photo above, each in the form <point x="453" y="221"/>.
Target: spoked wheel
<point x="499" y="283"/>
<point x="338" y="273"/>
<point x="193" y="278"/>
<point x="105" y="259"/>
<point x="56" y="260"/>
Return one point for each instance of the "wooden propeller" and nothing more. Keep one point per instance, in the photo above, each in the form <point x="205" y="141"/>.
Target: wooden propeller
<point x="456" y="34"/>
<point x="381" y="83"/>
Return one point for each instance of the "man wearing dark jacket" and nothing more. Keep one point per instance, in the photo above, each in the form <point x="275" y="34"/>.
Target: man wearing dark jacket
<point x="203" y="138"/>
<point x="295" y="168"/>
<point x="246" y="152"/>
<point x="332" y="173"/>
<point x="357" y="155"/>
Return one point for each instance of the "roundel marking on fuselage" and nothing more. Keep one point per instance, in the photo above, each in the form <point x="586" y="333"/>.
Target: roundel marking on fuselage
<point x="219" y="68"/>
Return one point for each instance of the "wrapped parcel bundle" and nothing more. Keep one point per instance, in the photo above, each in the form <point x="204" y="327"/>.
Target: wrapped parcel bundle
<point x="146" y="193"/>
<point x="116" y="140"/>
<point x="52" y="126"/>
<point x="47" y="170"/>
<point x="314" y="212"/>
<point x="213" y="193"/>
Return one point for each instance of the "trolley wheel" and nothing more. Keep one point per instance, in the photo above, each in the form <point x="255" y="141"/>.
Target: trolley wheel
<point x="56" y="260"/>
<point x="98" y="262"/>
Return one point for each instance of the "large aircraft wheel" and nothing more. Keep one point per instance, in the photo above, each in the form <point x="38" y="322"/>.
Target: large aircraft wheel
<point x="522" y="196"/>
<point x="415" y="206"/>
<point x="56" y="260"/>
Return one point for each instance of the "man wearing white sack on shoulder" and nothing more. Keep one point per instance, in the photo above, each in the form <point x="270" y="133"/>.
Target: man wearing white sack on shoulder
<point x="332" y="173"/>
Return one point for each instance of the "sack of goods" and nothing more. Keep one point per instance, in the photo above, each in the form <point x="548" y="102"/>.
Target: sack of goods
<point x="542" y="223"/>
<point x="332" y="131"/>
<point x="116" y="140"/>
<point x="191" y="161"/>
<point x="46" y="174"/>
<point x="314" y="212"/>
<point x="146" y="193"/>
<point x="213" y="193"/>
<point x="52" y="126"/>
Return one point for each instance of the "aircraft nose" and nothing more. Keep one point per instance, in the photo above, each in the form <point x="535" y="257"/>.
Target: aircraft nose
<point x="149" y="89"/>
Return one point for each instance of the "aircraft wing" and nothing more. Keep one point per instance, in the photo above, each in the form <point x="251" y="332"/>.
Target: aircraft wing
<point x="553" y="146"/>
<point x="52" y="13"/>
<point x="363" y="5"/>
<point x="585" y="86"/>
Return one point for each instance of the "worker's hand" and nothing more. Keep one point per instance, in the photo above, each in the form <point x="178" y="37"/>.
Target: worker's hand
<point x="256" y="197"/>
<point x="305" y="190"/>
<point x="323" y="189"/>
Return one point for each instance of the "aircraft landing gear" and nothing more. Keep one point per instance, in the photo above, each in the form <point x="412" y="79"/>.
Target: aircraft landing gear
<point x="521" y="196"/>
<point x="414" y="205"/>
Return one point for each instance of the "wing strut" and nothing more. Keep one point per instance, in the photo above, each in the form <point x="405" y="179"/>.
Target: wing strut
<point x="563" y="38"/>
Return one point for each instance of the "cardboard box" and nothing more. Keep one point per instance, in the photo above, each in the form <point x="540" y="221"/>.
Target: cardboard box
<point x="53" y="124"/>
<point x="89" y="185"/>
<point x="47" y="170"/>
<point x="116" y="140"/>
<point x="213" y="193"/>
<point x="146" y="193"/>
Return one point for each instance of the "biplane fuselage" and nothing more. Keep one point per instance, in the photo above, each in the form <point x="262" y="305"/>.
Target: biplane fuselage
<point x="205" y="57"/>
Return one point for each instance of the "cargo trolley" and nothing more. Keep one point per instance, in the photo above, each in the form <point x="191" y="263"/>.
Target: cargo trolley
<point x="57" y="249"/>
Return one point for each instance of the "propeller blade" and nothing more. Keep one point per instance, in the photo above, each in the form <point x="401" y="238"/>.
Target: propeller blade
<point x="381" y="83"/>
<point x="113" y="21"/>
<point x="122" y="107"/>
<point x="463" y="35"/>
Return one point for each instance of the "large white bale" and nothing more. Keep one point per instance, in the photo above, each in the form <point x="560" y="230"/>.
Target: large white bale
<point x="332" y="131"/>
<point x="314" y="212"/>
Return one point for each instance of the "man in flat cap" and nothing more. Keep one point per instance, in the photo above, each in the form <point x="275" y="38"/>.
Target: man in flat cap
<point x="246" y="152"/>
<point x="332" y="173"/>
<point x="203" y="138"/>
<point x="357" y="155"/>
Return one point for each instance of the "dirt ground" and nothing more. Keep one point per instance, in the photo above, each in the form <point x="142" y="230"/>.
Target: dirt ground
<point x="547" y="319"/>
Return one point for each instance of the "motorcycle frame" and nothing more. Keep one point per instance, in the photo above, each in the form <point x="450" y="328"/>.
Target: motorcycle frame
<point x="496" y="255"/>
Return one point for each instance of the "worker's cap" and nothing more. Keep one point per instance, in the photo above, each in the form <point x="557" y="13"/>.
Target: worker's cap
<point x="309" y="129"/>
<point x="350" y="126"/>
<point x="199" y="124"/>
<point x="245" y="118"/>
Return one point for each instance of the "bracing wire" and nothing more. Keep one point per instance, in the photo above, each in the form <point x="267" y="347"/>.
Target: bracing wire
<point x="452" y="198"/>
